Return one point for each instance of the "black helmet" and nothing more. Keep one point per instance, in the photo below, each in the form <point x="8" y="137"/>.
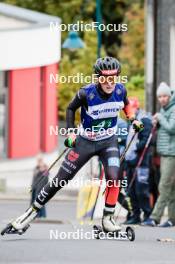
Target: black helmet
<point x="107" y="66"/>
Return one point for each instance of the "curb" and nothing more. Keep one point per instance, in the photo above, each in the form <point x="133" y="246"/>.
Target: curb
<point x="21" y="197"/>
<point x="47" y="221"/>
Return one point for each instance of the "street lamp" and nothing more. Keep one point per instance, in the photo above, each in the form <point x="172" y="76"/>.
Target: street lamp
<point x="73" y="41"/>
<point x="99" y="33"/>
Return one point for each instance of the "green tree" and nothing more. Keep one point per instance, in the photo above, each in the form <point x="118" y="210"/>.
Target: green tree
<point x="78" y="62"/>
<point x="132" y="49"/>
<point x="113" y="12"/>
<point x="128" y="47"/>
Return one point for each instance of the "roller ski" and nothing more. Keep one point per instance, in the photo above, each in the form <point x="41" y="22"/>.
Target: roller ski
<point x="110" y="230"/>
<point x="21" y="224"/>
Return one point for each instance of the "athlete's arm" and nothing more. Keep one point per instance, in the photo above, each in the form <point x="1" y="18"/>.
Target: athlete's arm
<point x="78" y="101"/>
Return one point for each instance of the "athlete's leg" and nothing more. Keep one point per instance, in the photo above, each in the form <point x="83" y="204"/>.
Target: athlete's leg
<point x="74" y="160"/>
<point x="109" y="156"/>
<point x="110" y="159"/>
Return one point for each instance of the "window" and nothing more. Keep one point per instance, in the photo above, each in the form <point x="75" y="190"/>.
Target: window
<point x="3" y="113"/>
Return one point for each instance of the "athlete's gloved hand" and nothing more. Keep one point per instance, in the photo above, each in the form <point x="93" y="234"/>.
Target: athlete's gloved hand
<point x="137" y="125"/>
<point x="70" y="141"/>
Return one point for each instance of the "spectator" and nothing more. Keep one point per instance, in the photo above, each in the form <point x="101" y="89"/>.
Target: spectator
<point x="122" y="134"/>
<point x="139" y="189"/>
<point x="165" y="121"/>
<point x="40" y="179"/>
<point x="154" y="177"/>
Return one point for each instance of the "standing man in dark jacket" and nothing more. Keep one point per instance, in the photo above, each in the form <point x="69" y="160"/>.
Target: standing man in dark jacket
<point x="139" y="190"/>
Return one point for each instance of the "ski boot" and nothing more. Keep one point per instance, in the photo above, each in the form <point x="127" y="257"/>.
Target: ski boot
<point x="21" y="224"/>
<point x="110" y="230"/>
<point x="109" y="224"/>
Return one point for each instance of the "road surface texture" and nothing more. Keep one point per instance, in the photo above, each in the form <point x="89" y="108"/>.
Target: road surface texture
<point x="66" y="241"/>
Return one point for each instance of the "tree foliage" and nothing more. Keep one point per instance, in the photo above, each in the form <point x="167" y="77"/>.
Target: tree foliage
<point x="128" y="47"/>
<point x="74" y="63"/>
<point x="132" y="43"/>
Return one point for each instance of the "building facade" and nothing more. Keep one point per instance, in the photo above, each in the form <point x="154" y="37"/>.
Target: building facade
<point x="160" y="47"/>
<point x="29" y="52"/>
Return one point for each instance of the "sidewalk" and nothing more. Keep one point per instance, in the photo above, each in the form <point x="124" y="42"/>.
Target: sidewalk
<point x="16" y="174"/>
<point x="17" y="178"/>
<point x="62" y="196"/>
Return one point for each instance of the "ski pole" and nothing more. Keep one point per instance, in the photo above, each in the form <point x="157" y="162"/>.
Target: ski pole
<point x="142" y="155"/>
<point x="127" y="147"/>
<point x="138" y="165"/>
<point x="57" y="159"/>
<point x="46" y="172"/>
<point x="98" y="192"/>
<point x="101" y="176"/>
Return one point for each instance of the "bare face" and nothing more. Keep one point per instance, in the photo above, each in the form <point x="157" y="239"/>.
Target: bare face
<point x="163" y="100"/>
<point x="107" y="83"/>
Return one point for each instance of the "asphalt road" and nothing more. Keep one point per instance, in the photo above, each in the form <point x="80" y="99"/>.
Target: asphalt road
<point x="66" y="242"/>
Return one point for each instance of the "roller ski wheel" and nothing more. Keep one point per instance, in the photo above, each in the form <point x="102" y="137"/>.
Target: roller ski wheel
<point x="100" y="233"/>
<point x="130" y="233"/>
<point x="9" y="229"/>
<point x="98" y="230"/>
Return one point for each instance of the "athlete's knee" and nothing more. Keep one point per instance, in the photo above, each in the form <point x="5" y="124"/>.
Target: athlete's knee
<point x="112" y="174"/>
